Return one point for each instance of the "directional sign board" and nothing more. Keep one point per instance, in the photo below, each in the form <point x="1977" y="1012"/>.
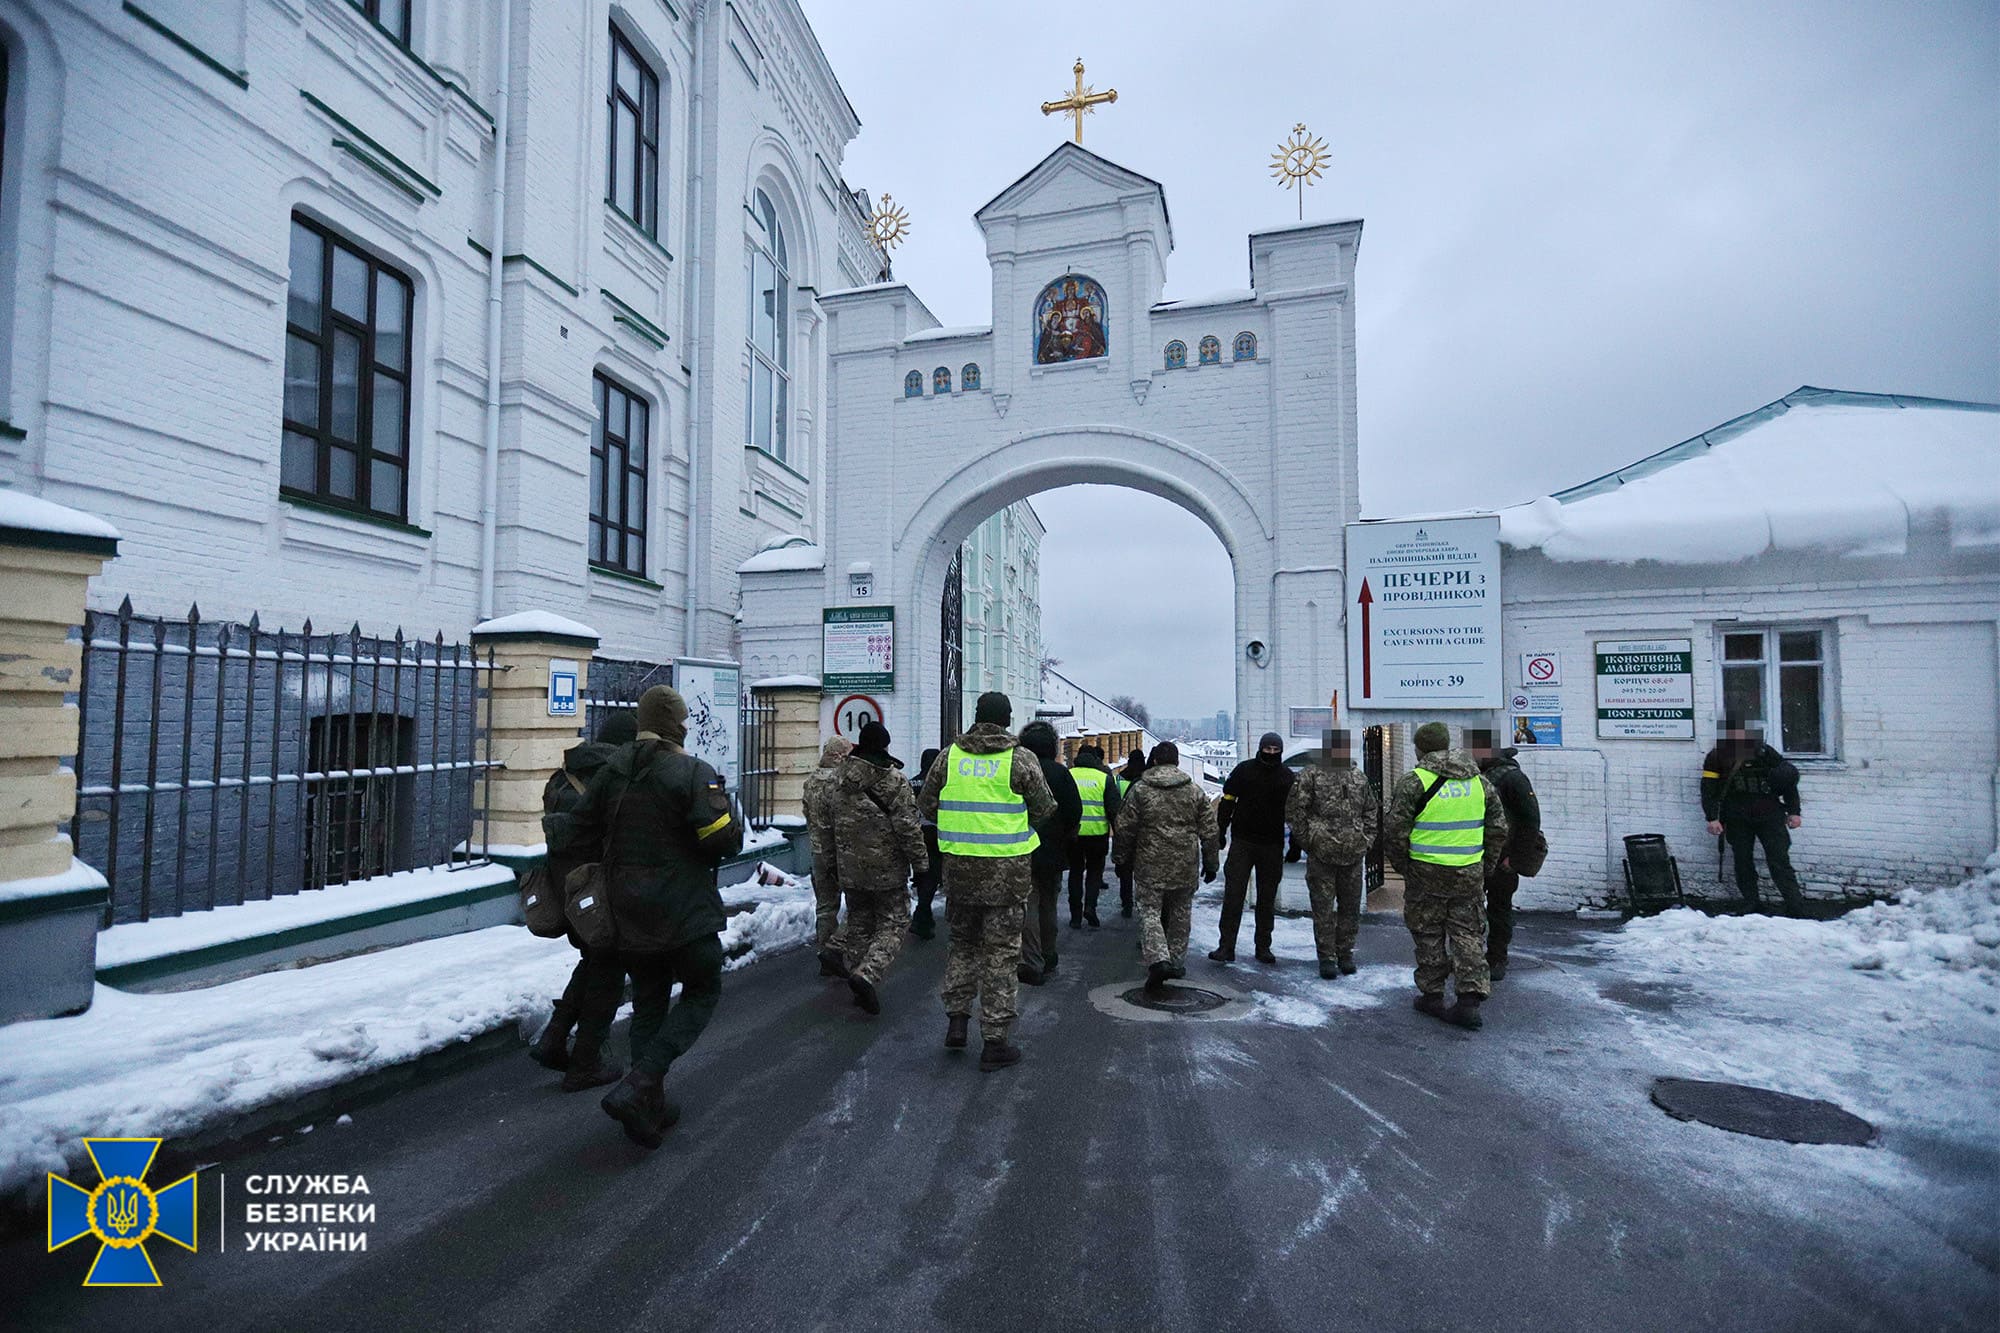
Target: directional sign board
<point x="1423" y="614"/>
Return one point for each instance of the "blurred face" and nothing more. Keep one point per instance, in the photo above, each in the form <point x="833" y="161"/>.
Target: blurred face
<point x="1479" y="744"/>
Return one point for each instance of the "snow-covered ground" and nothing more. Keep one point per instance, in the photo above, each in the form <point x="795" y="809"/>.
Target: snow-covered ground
<point x="172" y="1065"/>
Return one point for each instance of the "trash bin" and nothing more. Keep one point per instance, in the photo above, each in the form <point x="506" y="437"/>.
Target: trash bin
<point x="1652" y="874"/>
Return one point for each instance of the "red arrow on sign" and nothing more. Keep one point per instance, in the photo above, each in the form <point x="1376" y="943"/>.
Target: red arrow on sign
<point x="1367" y="600"/>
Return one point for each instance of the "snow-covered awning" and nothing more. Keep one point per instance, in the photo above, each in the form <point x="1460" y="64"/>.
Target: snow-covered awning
<point x="790" y="552"/>
<point x="1818" y="470"/>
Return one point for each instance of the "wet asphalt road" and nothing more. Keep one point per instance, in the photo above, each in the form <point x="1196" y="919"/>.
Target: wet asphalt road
<point x="1379" y="1171"/>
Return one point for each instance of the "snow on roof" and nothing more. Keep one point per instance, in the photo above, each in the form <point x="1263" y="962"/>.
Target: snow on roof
<point x="950" y="331"/>
<point x="536" y="622"/>
<point x="786" y="683"/>
<point x="787" y="553"/>
<point x="1819" y="469"/>
<point x="1227" y="296"/>
<point x="31" y="513"/>
<point x="1306" y="226"/>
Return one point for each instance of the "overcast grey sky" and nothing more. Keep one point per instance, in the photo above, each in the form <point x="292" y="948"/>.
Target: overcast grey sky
<point x="1592" y="230"/>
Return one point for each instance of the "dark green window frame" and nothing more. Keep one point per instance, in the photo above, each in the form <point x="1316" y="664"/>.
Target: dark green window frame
<point x="391" y="16"/>
<point x="619" y="447"/>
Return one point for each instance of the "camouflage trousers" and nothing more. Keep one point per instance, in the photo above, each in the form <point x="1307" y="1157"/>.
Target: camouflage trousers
<point x="1446" y="913"/>
<point x="1164" y="921"/>
<point x="1336" y="904"/>
<point x="984" y="960"/>
<point x="874" y="932"/>
<point x="826" y="909"/>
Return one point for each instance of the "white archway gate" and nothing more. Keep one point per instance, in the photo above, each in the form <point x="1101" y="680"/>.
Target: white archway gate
<point x="1238" y="407"/>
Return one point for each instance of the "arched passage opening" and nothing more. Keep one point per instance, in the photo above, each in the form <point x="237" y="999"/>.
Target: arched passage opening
<point x="1049" y="460"/>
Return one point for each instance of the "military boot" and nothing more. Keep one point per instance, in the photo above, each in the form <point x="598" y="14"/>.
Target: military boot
<point x="865" y="997"/>
<point x="1328" y="970"/>
<point x="1347" y="967"/>
<point x="1175" y="969"/>
<point x="551" y="1049"/>
<point x="1156" y="978"/>
<point x="1466" y="1012"/>
<point x="998" y="1053"/>
<point x="1433" y="1005"/>
<point x="1264" y="954"/>
<point x="1496" y="965"/>
<point x="588" y="1067"/>
<point x="643" y="1108"/>
<point x="922" y="924"/>
<point x="831" y="964"/>
<point x="1221" y="955"/>
<point x="1090" y="918"/>
<point x="1028" y="976"/>
<point x="955" y="1031"/>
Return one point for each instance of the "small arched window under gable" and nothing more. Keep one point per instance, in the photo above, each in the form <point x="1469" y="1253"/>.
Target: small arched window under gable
<point x="913" y="384"/>
<point x="968" y="378"/>
<point x="1211" y="351"/>
<point x="1246" y="346"/>
<point x="1176" y="355"/>
<point x="941" y="380"/>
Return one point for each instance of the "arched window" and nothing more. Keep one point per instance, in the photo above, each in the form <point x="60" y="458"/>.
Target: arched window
<point x="1176" y="355"/>
<point x="767" y="395"/>
<point x="941" y="380"/>
<point x="1070" y="321"/>
<point x="1246" y="346"/>
<point x="913" y="384"/>
<point x="968" y="378"/>
<point x="1211" y="351"/>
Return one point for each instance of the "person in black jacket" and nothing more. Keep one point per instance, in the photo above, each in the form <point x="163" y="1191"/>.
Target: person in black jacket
<point x="1050" y="860"/>
<point x="1524" y="820"/>
<point x="1750" y="794"/>
<point x="590" y="1002"/>
<point x="665" y="822"/>
<point x="1253" y="804"/>
<point x="923" y="922"/>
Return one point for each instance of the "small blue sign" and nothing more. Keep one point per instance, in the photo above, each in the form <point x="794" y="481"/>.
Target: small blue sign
<point x="1532" y="730"/>
<point x="562" y="688"/>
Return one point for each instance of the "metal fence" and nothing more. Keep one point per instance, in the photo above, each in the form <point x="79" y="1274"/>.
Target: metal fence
<point x="758" y="751"/>
<point x="616" y="683"/>
<point x="219" y="763"/>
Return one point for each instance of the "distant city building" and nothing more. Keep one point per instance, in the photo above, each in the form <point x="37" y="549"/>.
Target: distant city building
<point x="1222" y="729"/>
<point x="1003" y="609"/>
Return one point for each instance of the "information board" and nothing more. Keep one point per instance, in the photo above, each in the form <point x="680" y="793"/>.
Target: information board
<point x="1423" y="614"/>
<point x="713" y="691"/>
<point x="858" y="648"/>
<point x="1645" y="689"/>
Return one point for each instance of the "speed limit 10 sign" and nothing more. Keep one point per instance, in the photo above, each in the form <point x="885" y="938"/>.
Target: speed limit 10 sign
<point x="853" y="713"/>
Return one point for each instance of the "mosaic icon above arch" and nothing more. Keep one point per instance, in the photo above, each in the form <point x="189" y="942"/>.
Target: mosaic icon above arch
<point x="1071" y="321"/>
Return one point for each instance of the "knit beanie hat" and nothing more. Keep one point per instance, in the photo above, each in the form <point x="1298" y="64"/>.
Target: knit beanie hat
<point x="836" y="749"/>
<point x="1039" y="739"/>
<point x="618" y="726"/>
<point x="663" y="712"/>
<point x="994" y="707"/>
<point x="874" y="738"/>
<point x="1090" y="754"/>
<point x="1432" y="737"/>
<point x="1166" y="752"/>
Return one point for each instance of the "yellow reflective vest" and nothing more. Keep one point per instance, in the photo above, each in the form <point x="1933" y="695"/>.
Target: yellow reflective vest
<point x="1090" y="784"/>
<point x="979" y="812"/>
<point x="1451" y="829"/>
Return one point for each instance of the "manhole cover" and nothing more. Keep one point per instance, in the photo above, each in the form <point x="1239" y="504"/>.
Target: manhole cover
<point x="1176" y="999"/>
<point x="1761" y="1112"/>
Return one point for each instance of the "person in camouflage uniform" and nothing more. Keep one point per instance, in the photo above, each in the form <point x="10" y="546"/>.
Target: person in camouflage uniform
<point x="880" y="837"/>
<point x="828" y="939"/>
<point x="1445" y="905"/>
<point x="985" y="895"/>
<point x="1166" y="833"/>
<point x="1333" y="811"/>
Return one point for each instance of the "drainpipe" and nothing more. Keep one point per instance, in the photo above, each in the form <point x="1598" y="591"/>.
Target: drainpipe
<point x="691" y="338"/>
<point x="489" y="528"/>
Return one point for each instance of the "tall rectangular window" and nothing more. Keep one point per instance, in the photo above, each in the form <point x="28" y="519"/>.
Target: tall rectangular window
<point x="347" y="376"/>
<point x="768" y="285"/>
<point x="618" y="480"/>
<point x="391" y="16"/>
<point x="1778" y="676"/>
<point x="632" y="182"/>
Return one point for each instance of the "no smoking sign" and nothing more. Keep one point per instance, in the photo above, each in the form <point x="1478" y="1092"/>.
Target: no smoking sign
<point x="1541" y="669"/>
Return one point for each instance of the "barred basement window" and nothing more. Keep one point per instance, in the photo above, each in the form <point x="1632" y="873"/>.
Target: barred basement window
<point x="632" y="183"/>
<point x="1779" y="672"/>
<point x="347" y="376"/>
<point x="352" y="794"/>
<point x="618" y="451"/>
<point x="391" y="16"/>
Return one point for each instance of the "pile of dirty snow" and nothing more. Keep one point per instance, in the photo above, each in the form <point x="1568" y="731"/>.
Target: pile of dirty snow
<point x="1927" y="930"/>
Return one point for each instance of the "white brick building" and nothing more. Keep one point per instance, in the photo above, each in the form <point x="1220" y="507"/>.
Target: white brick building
<point x="1833" y="559"/>
<point x="171" y="168"/>
<point x="1239" y="407"/>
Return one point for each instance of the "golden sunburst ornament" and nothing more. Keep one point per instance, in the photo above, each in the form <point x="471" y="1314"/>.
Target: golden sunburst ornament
<point x="1299" y="162"/>
<point x="888" y="225"/>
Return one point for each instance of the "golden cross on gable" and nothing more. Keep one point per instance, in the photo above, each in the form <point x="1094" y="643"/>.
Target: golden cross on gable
<point x="1080" y="102"/>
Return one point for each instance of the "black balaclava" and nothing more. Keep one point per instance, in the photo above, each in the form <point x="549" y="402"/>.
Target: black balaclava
<point x="1271" y="738"/>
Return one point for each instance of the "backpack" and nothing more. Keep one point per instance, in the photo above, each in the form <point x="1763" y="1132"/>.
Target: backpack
<point x="542" y="910"/>
<point x="1527" y="855"/>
